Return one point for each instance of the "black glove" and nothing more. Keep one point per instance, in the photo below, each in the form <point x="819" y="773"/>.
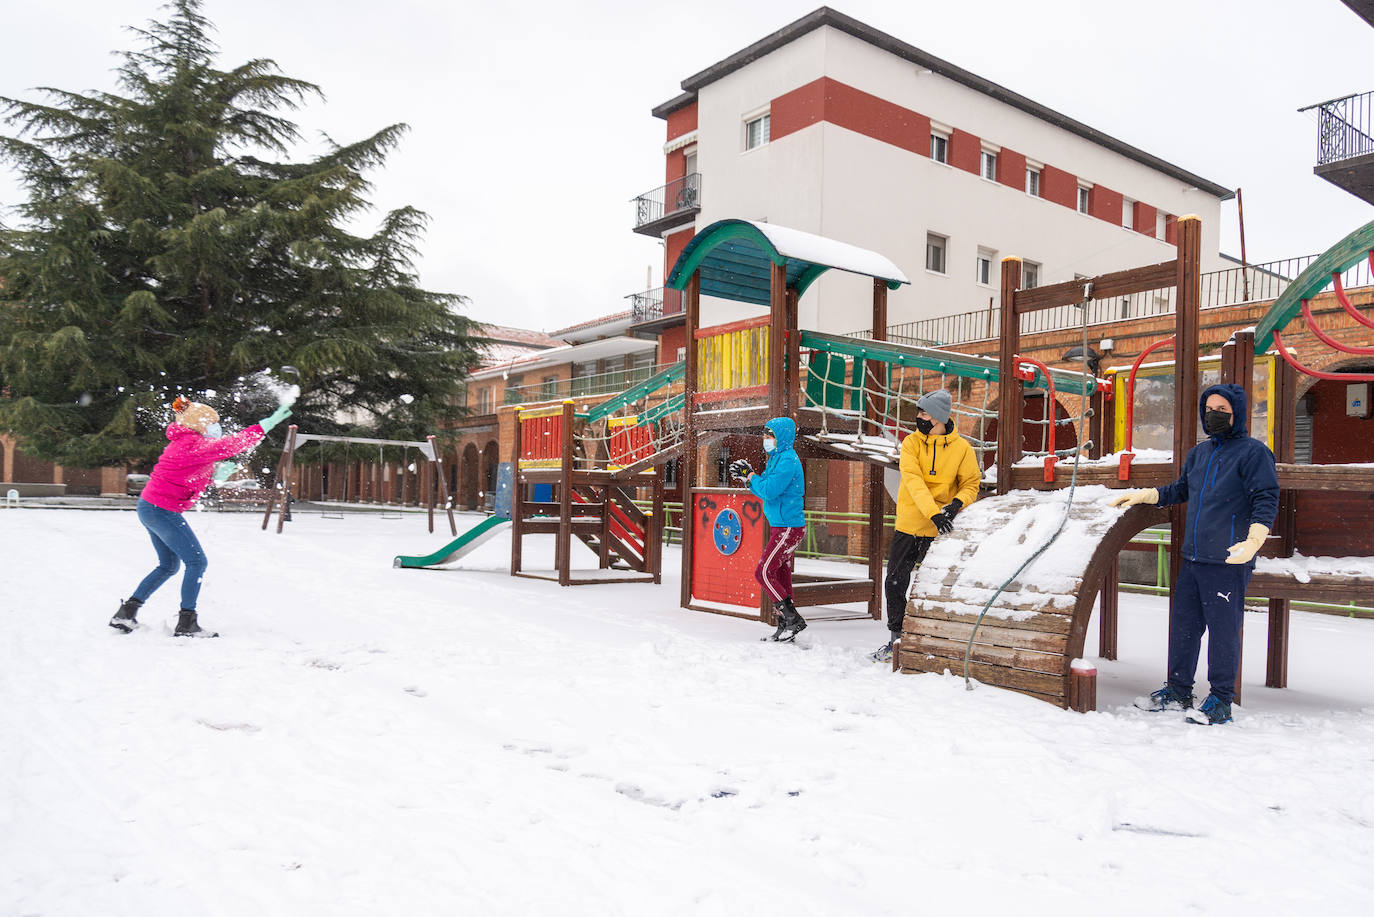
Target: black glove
<point x="952" y="508"/>
<point x="943" y="524"/>
<point x="741" y="469"/>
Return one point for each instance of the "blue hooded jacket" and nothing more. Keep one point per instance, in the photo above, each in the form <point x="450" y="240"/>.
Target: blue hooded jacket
<point x="1228" y="482"/>
<point x="782" y="484"/>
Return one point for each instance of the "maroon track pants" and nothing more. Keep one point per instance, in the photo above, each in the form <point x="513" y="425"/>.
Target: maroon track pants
<point x="774" y="571"/>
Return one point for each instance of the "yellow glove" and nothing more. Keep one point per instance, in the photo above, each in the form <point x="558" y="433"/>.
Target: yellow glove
<point x="1132" y="497"/>
<point x="1242" y="552"/>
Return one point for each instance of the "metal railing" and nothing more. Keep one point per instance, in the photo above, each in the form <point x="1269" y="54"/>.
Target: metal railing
<point x="608" y="383"/>
<point x="646" y="306"/>
<point x="681" y="194"/>
<point x="1227" y="287"/>
<point x="1344" y="127"/>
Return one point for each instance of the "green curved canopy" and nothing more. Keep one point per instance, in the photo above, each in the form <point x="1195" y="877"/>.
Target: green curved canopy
<point x="1337" y="259"/>
<point x="735" y="259"/>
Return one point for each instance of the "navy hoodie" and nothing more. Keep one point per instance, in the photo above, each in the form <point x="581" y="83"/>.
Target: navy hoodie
<point x="1228" y="482"/>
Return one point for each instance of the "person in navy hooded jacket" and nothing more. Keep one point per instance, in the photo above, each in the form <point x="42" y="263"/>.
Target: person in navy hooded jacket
<point x="781" y="486"/>
<point x="1232" y="490"/>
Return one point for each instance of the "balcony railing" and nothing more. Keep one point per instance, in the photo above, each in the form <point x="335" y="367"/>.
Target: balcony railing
<point x="591" y="386"/>
<point x="1229" y="287"/>
<point x="1344" y="128"/>
<point x="646" y="306"/>
<point x="679" y="197"/>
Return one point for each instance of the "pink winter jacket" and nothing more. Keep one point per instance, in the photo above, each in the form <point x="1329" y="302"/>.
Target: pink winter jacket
<point x="185" y="467"/>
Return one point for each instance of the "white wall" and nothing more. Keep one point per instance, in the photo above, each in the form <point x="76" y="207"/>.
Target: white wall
<point x="834" y="182"/>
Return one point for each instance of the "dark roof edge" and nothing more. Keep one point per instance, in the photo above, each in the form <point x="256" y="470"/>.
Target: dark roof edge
<point x="827" y="16"/>
<point x="672" y="105"/>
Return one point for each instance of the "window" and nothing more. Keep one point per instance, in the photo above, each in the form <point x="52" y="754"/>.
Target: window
<point x="690" y="162"/>
<point x="1127" y="213"/>
<point x="935" y="252"/>
<point x="1160" y="217"/>
<point x="548" y="388"/>
<point x="756" y="131"/>
<point x="988" y="165"/>
<point x="939" y="148"/>
<point x="642" y="366"/>
<point x="1083" y="197"/>
<point x="1033" y="182"/>
<point x="484" y="400"/>
<point x="983" y="266"/>
<point x="582" y="377"/>
<point x="1030" y="275"/>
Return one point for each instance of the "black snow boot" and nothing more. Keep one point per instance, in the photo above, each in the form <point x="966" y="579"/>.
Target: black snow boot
<point x="126" y="619"/>
<point x="188" y="627"/>
<point x="795" y="622"/>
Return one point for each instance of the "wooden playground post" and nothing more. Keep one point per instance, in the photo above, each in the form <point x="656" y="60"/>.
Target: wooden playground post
<point x="517" y="501"/>
<point x="1010" y="401"/>
<point x="1187" y="283"/>
<point x="873" y="474"/>
<point x="653" y="532"/>
<point x="792" y="382"/>
<point x="283" y="481"/>
<point x="777" y="340"/>
<point x="563" y="550"/>
<point x="1284" y="406"/>
<point x="687" y="464"/>
<point x="441" y="485"/>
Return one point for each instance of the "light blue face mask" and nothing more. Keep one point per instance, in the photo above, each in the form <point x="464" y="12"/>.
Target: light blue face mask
<point x="213" y="431"/>
<point x="769" y="444"/>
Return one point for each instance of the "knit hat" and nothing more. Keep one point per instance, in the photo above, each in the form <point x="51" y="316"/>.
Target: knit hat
<point x="195" y="415"/>
<point x="937" y="404"/>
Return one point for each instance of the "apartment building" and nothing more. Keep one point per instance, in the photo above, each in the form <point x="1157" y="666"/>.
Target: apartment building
<point x="833" y="127"/>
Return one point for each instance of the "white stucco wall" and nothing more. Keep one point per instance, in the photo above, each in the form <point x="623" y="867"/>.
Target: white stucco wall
<point x="835" y="182"/>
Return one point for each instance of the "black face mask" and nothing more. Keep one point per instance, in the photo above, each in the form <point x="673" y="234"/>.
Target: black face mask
<point x="1216" y="422"/>
<point x="924" y="425"/>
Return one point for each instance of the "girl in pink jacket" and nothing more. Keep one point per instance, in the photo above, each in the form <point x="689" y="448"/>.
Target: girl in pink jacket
<point x="184" y="469"/>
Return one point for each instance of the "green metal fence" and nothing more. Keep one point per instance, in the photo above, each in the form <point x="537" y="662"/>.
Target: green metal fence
<point x="1158" y="538"/>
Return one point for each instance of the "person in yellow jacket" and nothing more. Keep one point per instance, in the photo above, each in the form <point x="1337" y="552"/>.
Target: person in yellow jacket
<point x="940" y="476"/>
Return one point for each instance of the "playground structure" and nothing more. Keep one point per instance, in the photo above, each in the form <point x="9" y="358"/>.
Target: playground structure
<point x="853" y="399"/>
<point x="431" y="479"/>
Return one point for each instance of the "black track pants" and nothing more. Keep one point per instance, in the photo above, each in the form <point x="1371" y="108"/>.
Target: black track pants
<point x="906" y="553"/>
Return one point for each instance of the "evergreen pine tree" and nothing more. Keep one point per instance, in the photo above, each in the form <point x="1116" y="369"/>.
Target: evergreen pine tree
<point x="169" y="245"/>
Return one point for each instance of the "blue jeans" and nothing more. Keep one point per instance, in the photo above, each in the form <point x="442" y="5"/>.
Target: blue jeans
<point x="175" y="544"/>
<point x="1211" y="598"/>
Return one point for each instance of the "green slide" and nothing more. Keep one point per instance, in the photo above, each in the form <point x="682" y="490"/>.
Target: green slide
<point x="469" y="541"/>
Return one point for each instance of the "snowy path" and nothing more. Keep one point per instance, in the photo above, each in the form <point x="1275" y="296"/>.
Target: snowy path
<point x="366" y="740"/>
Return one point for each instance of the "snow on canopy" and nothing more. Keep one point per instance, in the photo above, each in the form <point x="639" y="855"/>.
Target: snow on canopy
<point x="734" y="258"/>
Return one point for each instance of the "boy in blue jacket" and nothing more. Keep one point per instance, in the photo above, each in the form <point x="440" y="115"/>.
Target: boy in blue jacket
<point x="1232" y="490"/>
<point x="781" y="486"/>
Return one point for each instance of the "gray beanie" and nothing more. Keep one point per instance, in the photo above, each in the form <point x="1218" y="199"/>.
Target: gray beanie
<point x="937" y="404"/>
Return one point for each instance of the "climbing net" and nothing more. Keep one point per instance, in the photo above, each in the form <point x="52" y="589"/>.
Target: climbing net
<point x="837" y="382"/>
<point x="632" y="436"/>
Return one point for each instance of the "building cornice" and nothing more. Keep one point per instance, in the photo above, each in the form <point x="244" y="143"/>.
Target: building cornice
<point x="825" y="16"/>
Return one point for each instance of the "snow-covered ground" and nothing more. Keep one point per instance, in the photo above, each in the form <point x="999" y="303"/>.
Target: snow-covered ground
<point x="365" y="740"/>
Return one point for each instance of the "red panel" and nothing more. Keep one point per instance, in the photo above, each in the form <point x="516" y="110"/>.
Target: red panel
<point x="1105" y="204"/>
<point x="1059" y="186"/>
<point x="541" y="437"/>
<point x="669" y="342"/>
<point x="842" y="105"/>
<point x="963" y="151"/>
<point x="682" y="121"/>
<point x="1171" y="229"/>
<point x="727" y="578"/>
<point x="1011" y="169"/>
<point x="630" y="444"/>
<point x="1144" y="218"/>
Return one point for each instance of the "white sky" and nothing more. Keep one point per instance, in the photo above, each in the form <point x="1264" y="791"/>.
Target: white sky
<point x="531" y="132"/>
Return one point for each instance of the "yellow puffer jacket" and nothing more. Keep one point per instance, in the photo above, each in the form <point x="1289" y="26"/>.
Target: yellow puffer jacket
<point x="935" y="470"/>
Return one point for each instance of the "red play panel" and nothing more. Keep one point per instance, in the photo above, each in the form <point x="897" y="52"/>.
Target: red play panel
<point x="727" y="543"/>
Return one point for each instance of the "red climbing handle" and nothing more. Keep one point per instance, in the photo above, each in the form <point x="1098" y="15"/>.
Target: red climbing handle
<point x="1345" y="300"/>
<point x="1049" y="408"/>
<point x="1123" y="472"/>
<point x="1316" y="373"/>
<point x="1327" y="339"/>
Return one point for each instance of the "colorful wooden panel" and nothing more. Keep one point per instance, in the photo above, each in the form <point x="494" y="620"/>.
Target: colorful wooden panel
<point x="733" y="359"/>
<point x="629" y="441"/>
<point x="541" y="438"/>
<point x="726" y="547"/>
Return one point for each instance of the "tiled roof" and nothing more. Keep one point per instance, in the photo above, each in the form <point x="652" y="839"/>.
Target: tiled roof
<point x="521" y="337"/>
<point x="603" y="320"/>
